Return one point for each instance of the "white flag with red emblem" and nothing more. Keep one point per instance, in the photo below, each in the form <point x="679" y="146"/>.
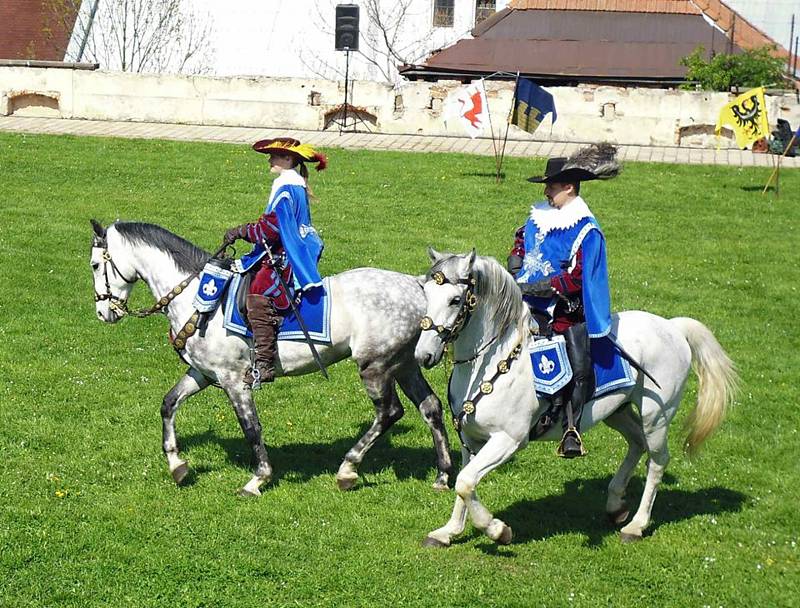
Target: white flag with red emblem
<point x="468" y="107"/>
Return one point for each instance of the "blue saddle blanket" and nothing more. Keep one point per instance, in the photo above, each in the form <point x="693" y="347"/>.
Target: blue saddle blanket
<point x="552" y="371"/>
<point x="315" y="308"/>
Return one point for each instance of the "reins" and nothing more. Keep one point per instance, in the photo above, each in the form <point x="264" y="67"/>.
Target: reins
<point x="120" y="305"/>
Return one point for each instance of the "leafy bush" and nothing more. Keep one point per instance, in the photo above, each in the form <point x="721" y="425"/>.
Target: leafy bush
<point x="750" y="68"/>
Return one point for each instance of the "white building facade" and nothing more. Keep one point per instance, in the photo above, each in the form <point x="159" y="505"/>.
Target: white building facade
<point x="295" y="38"/>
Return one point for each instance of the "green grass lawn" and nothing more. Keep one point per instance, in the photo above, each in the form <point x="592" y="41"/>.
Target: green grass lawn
<point x="89" y="515"/>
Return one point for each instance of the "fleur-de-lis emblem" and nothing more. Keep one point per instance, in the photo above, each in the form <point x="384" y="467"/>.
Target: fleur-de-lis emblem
<point x="210" y="288"/>
<point x="546" y="366"/>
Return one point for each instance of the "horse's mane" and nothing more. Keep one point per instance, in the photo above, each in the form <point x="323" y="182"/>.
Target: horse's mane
<point x="497" y="289"/>
<point x="187" y="256"/>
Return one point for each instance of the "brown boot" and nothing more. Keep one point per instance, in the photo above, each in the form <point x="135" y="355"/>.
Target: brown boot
<point x="264" y="322"/>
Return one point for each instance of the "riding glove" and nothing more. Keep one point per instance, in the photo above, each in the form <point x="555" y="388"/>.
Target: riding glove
<point x="231" y="236"/>
<point x="537" y="289"/>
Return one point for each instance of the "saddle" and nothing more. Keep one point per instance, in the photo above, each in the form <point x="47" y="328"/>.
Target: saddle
<point x="222" y="285"/>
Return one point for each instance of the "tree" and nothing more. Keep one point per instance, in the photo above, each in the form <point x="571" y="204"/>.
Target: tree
<point x="748" y="69"/>
<point x="137" y="35"/>
<point x="391" y="34"/>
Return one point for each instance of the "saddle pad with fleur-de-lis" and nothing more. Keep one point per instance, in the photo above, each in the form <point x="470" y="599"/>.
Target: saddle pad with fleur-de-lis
<point x="551" y="368"/>
<point x="213" y="281"/>
<point x="314" y="307"/>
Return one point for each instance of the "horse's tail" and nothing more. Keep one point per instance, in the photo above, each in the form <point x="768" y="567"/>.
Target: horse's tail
<point x="717" y="381"/>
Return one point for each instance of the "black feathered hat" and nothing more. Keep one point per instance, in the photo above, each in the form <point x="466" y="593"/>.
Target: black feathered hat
<point x="598" y="161"/>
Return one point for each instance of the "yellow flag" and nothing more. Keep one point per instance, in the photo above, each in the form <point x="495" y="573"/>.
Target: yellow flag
<point x="747" y="116"/>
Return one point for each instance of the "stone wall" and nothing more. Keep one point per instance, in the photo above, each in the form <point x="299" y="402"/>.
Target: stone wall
<point x="661" y="117"/>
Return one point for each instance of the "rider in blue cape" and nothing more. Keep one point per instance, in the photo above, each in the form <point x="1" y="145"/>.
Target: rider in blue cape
<point x="286" y="242"/>
<point x="559" y="261"/>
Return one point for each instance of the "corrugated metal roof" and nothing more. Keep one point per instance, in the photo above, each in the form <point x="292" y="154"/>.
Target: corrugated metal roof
<point x="674" y="7"/>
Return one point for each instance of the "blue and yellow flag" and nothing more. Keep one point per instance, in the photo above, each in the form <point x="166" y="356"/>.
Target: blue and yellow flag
<point x="531" y="104"/>
<point x="747" y="116"/>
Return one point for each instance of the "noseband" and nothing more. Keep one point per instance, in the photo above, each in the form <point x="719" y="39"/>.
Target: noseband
<point x="119" y="305"/>
<point x="468" y="304"/>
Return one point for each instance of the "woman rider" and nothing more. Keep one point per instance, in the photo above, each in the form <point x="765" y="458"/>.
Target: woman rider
<point x="286" y="242"/>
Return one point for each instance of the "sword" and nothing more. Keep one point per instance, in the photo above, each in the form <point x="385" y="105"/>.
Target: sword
<point x="296" y="312"/>
<point x="630" y="359"/>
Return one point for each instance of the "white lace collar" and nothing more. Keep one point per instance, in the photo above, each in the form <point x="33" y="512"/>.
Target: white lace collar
<point x="549" y="218"/>
<point x="288" y="177"/>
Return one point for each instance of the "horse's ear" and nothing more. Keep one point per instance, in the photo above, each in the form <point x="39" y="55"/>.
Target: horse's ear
<point x="434" y="255"/>
<point x="98" y="229"/>
<point x="472" y="257"/>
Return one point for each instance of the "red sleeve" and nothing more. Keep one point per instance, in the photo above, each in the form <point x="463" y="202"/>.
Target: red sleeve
<point x="266" y="228"/>
<point x="569" y="282"/>
<point x="519" y="242"/>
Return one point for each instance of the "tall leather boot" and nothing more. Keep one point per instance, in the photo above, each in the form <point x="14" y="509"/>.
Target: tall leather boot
<point x="580" y="390"/>
<point x="264" y="322"/>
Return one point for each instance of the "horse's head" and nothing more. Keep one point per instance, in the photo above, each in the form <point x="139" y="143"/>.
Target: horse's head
<point x="109" y="270"/>
<point x="450" y="295"/>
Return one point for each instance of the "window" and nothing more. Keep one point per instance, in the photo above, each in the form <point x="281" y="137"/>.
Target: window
<point x="443" y="13"/>
<point x="484" y="9"/>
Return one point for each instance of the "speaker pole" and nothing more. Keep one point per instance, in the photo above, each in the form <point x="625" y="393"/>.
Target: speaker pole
<point x="343" y="124"/>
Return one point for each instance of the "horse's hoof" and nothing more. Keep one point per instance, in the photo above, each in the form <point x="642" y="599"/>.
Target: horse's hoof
<point x="618" y="517"/>
<point x="629" y="538"/>
<point x="506" y="536"/>
<point x="440" y="485"/>
<point x="247" y="493"/>
<point x="346" y="483"/>
<point x="180" y="472"/>
<point x="433" y="543"/>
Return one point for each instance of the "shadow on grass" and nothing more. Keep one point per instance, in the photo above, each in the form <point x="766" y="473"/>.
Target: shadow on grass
<point x="483" y="174"/>
<point x="756" y="188"/>
<point x="581" y="508"/>
<point x="304" y="461"/>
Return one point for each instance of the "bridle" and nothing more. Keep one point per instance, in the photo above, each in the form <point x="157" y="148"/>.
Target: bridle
<point x="120" y="305"/>
<point x="468" y="304"/>
<point x="117" y="304"/>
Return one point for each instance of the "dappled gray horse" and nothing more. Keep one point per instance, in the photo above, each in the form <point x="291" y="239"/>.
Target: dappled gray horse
<point x="475" y="304"/>
<point x="374" y="319"/>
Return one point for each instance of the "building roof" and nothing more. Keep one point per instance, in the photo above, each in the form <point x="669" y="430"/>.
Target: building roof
<point x="743" y="33"/>
<point x="674" y="7"/>
<point x="568" y="46"/>
<point x="32" y="29"/>
<point x="614" y="41"/>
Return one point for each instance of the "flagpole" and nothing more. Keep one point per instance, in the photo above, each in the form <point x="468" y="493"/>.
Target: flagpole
<point x="491" y="131"/>
<point x="778" y="167"/>
<point x="508" y="124"/>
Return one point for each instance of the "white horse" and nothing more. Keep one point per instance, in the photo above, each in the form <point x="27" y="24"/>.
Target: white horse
<point x="374" y="319"/>
<point x="476" y="304"/>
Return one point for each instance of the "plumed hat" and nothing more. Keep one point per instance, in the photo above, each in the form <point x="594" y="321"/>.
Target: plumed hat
<point x="598" y="161"/>
<point x="292" y="147"/>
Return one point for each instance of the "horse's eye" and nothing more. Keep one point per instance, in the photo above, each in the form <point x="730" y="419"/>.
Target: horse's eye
<point x="455" y="301"/>
<point x="95" y="266"/>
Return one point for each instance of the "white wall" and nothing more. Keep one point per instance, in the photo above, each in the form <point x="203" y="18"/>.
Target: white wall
<point x="586" y="113"/>
<point x="295" y="38"/>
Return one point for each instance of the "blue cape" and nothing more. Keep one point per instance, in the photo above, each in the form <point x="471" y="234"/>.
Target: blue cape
<point x="546" y="256"/>
<point x="303" y="246"/>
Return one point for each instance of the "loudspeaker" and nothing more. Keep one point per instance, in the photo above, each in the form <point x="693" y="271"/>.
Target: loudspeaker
<point x="346" y="27"/>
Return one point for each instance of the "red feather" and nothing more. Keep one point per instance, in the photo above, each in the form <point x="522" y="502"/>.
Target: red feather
<point x="321" y="159"/>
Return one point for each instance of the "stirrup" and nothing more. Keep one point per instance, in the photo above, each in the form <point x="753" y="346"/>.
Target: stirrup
<point x="253" y="377"/>
<point x="571" y="444"/>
